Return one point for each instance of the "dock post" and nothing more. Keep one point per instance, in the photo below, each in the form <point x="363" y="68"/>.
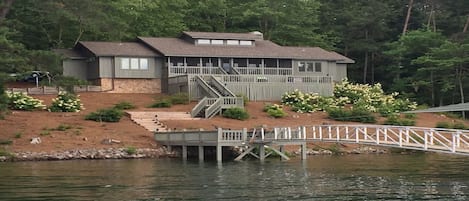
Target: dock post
<point x="303" y="151"/>
<point x="261" y="152"/>
<point x="219" y="153"/>
<point x="282" y="149"/>
<point x="184" y="152"/>
<point x="169" y="148"/>
<point x="201" y="153"/>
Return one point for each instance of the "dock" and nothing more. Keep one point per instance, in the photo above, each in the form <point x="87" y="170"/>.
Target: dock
<point x="261" y="143"/>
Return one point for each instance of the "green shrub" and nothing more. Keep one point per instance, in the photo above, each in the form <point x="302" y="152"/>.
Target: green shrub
<point x="18" y="135"/>
<point x="44" y="133"/>
<point x="130" y="150"/>
<point x="410" y="115"/>
<point x="245" y="98"/>
<point x="6" y="142"/>
<point x="161" y="103"/>
<point x="236" y="113"/>
<point x="397" y="121"/>
<point x="6" y="153"/>
<point x="21" y="101"/>
<point x="179" y="98"/>
<point x="124" y="105"/>
<point x="63" y="127"/>
<point x="355" y="114"/>
<point x="361" y="115"/>
<point x="443" y="124"/>
<point x="66" y="102"/>
<point x="105" y="115"/>
<point x="279" y="113"/>
<point x="459" y="125"/>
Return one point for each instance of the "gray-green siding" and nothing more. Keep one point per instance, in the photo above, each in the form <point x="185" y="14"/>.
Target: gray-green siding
<point x="75" y="68"/>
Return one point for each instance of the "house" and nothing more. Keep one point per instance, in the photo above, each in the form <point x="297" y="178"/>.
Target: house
<point x="200" y="62"/>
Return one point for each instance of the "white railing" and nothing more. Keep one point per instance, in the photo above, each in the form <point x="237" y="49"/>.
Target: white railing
<point x="232" y="135"/>
<point x="182" y="70"/>
<point x="263" y="71"/>
<point x="428" y="139"/>
<point x="274" y="79"/>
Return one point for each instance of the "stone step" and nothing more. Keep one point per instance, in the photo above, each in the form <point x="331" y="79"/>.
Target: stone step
<point x="151" y="120"/>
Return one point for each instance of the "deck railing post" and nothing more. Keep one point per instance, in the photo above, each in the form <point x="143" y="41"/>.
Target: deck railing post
<point x="377" y="135"/>
<point x="245" y="134"/>
<point x="458" y="139"/>
<point x="289" y="133"/>
<point x="320" y="133"/>
<point x="357" y="138"/>
<point x="407" y="137"/>
<point x="314" y="132"/>
<point x="337" y="133"/>
<point x="431" y="137"/>
<point x="365" y="133"/>
<point x="400" y="137"/>
<point x="346" y="133"/>
<point x="304" y="132"/>
<point x="425" y="145"/>
<point x="453" y="148"/>
<point x="220" y="134"/>
<point x="385" y="134"/>
<point x="262" y="134"/>
<point x="329" y="130"/>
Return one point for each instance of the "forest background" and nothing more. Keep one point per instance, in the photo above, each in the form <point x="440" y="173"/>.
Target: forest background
<point x="419" y="48"/>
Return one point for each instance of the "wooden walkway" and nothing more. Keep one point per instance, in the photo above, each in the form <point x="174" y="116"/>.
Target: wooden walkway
<point x="450" y="141"/>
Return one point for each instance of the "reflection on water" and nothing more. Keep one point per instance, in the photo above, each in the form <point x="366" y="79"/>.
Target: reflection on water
<point x="357" y="177"/>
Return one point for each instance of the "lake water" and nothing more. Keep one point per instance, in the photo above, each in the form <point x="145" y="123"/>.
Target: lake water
<point x="351" y="177"/>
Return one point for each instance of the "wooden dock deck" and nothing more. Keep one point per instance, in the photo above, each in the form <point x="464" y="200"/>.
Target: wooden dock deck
<point x="451" y="141"/>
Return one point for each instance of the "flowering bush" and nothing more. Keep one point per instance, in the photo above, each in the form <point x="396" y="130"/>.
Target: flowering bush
<point x="66" y="102"/>
<point x="372" y="98"/>
<point x="21" y="101"/>
<point x="311" y="102"/>
<point x="275" y="110"/>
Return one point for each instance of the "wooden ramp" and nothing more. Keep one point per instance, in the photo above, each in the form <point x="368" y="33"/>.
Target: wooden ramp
<point x="152" y="120"/>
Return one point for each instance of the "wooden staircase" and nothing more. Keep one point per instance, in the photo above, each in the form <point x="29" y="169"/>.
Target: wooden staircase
<point x="151" y="120"/>
<point x="217" y="98"/>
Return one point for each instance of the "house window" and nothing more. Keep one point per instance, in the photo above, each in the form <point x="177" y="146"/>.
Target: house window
<point x="144" y="64"/>
<point x="125" y="63"/>
<point x="313" y="67"/>
<point x="301" y="66"/>
<point x="134" y="63"/>
<point x="245" y="42"/>
<point x="232" y="42"/>
<point x="203" y="42"/>
<point x="318" y="67"/>
<point x="217" y="42"/>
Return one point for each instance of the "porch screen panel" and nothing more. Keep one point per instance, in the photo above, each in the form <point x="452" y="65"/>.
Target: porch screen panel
<point x="270" y="63"/>
<point x="285" y="63"/>
<point x="239" y="62"/>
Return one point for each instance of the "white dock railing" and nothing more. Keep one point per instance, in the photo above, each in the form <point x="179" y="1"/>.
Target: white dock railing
<point x="427" y="139"/>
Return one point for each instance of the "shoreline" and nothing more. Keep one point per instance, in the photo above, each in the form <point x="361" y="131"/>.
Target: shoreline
<point x="141" y="153"/>
<point x="88" y="154"/>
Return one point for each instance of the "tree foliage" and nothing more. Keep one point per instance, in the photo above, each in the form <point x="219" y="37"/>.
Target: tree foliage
<point x="427" y="63"/>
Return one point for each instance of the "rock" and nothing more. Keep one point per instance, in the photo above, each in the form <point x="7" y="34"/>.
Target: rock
<point x="36" y="140"/>
<point x="110" y="141"/>
<point x="355" y="152"/>
<point x="3" y="158"/>
<point x="85" y="139"/>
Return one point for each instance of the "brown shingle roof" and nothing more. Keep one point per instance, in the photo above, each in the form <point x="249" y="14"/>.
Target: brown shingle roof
<point x="219" y="35"/>
<point x="262" y="49"/>
<point x="69" y="53"/>
<point x="118" y="49"/>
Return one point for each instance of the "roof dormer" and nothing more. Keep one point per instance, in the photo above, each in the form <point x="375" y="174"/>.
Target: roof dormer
<point x="223" y="39"/>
